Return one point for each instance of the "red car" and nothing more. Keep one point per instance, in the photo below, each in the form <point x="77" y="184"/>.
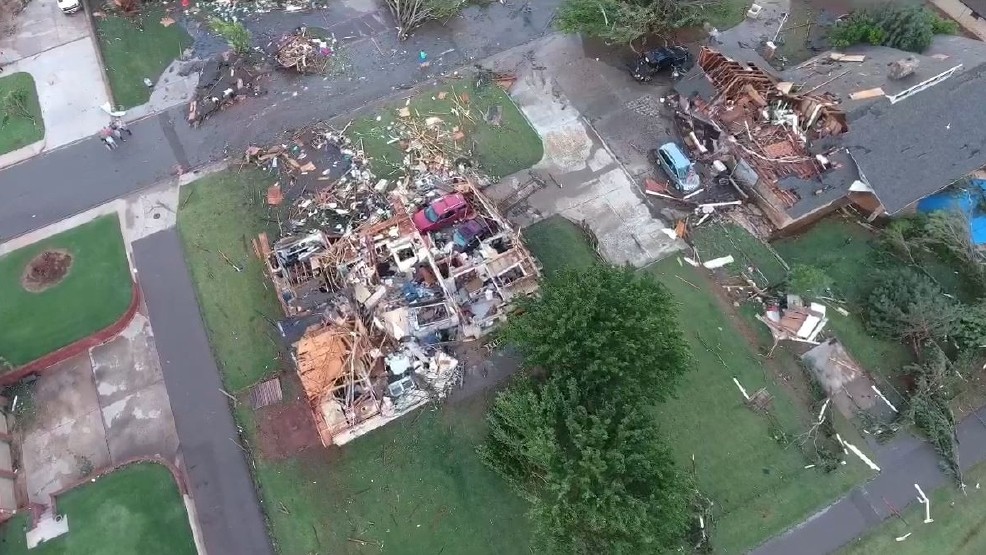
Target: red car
<point x="442" y="213"/>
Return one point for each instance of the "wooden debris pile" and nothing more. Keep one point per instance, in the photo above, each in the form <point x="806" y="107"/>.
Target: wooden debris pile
<point x="304" y="52"/>
<point x="225" y="80"/>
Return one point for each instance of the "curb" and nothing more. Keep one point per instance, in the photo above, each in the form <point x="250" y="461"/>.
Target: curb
<point x="91" y="23"/>
<point x="22" y="153"/>
<point x="47" y="361"/>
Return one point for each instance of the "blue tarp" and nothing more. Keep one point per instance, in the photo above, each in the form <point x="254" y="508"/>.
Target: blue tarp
<point x="966" y="201"/>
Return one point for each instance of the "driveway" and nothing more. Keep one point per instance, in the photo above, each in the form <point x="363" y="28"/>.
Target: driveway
<point x="57" y="50"/>
<point x="563" y="94"/>
<point x="96" y="410"/>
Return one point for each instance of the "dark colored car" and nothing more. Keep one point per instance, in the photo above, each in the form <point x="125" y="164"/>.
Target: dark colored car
<point x="467" y="233"/>
<point x="676" y="59"/>
<point x="442" y="213"/>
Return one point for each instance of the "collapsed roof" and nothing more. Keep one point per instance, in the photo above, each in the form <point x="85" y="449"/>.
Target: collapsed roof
<point x="369" y="298"/>
<point x="910" y="126"/>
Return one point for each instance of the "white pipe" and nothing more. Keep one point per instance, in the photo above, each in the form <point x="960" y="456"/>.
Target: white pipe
<point x="885" y="400"/>
<point x="821" y="413"/>
<point x="861" y="456"/>
<point x="743" y="391"/>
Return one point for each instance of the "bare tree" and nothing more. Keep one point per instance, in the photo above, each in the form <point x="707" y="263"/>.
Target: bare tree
<point x="411" y="13"/>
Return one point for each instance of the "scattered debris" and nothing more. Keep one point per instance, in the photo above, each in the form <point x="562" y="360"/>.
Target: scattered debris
<point x="839" y="57"/>
<point x="305" y="52"/>
<point x="789" y="319"/>
<point x="266" y="393"/>
<point x="718" y="262"/>
<point x="868" y="93"/>
<point x="376" y="276"/>
<point x="224" y="80"/>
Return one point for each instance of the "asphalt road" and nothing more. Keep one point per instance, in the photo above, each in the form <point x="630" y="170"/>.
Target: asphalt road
<point x="219" y="480"/>
<point x="58" y="184"/>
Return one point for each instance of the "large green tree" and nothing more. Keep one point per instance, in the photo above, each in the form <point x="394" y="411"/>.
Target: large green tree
<point x="599" y="481"/>
<point x="613" y="330"/>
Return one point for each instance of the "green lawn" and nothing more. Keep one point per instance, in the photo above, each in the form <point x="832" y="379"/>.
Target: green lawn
<point x="23" y="124"/>
<point x="133" y="51"/>
<point x="559" y="244"/>
<point x="717" y="239"/>
<point x="848" y="254"/>
<point x="223" y="213"/>
<point x="760" y="485"/>
<point x="94" y="294"/>
<point x="958" y="529"/>
<point x="500" y="151"/>
<point x="137" y="509"/>
<point x="414" y="486"/>
<point x="726" y="14"/>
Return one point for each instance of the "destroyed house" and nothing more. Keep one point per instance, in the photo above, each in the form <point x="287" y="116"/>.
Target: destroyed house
<point x="368" y="310"/>
<point x="873" y="126"/>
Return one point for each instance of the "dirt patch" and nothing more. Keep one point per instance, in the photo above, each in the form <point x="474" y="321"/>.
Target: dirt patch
<point x="286" y="429"/>
<point x="46" y="270"/>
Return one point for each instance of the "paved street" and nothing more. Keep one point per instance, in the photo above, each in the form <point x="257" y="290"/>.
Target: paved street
<point x="58" y="184"/>
<point x="219" y="479"/>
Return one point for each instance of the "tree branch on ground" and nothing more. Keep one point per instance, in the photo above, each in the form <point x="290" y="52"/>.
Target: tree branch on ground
<point x="905" y="27"/>
<point x="624" y="21"/>
<point x="412" y="13"/>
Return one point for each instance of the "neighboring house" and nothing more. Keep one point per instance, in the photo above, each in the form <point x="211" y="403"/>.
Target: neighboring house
<point x="978" y="7"/>
<point x="855" y="135"/>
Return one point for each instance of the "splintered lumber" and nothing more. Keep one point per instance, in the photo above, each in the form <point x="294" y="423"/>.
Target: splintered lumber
<point x="868" y="93"/>
<point x="839" y="57"/>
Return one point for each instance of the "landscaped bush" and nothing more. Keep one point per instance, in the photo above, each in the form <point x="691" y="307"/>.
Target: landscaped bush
<point x="908" y="28"/>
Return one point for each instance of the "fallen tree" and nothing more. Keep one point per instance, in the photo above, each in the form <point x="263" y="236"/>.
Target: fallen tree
<point x="412" y="13"/>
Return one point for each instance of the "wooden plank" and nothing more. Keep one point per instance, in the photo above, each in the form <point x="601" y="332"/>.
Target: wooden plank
<point x="868" y="93"/>
<point x="839" y="57"/>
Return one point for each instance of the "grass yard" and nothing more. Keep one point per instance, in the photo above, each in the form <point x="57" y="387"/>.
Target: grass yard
<point x="137" y="509"/>
<point x="500" y="151"/>
<point x="846" y="252"/>
<point x="96" y="291"/>
<point x="21" y="123"/>
<point x="223" y="213"/>
<point x="135" y="50"/>
<point x="959" y="529"/>
<point x="759" y="484"/>
<point x="727" y="14"/>
<point x="559" y="245"/>
<point x="414" y="486"/>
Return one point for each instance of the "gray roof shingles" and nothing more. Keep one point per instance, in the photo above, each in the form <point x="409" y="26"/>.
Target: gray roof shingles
<point x="913" y="148"/>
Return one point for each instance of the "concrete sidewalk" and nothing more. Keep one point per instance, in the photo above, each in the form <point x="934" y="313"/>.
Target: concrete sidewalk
<point x="57" y="50"/>
<point x="905" y="461"/>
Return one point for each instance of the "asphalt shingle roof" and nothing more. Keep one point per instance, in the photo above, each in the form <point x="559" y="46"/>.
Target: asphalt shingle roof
<point x="913" y="148"/>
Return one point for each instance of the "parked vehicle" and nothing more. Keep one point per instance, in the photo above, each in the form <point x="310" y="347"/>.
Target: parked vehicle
<point x="676" y="59"/>
<point x="69" y="6"/>
<point x="675" y="163"/>
<point x="467" y="233"/>
<point x="442" y="213"/>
